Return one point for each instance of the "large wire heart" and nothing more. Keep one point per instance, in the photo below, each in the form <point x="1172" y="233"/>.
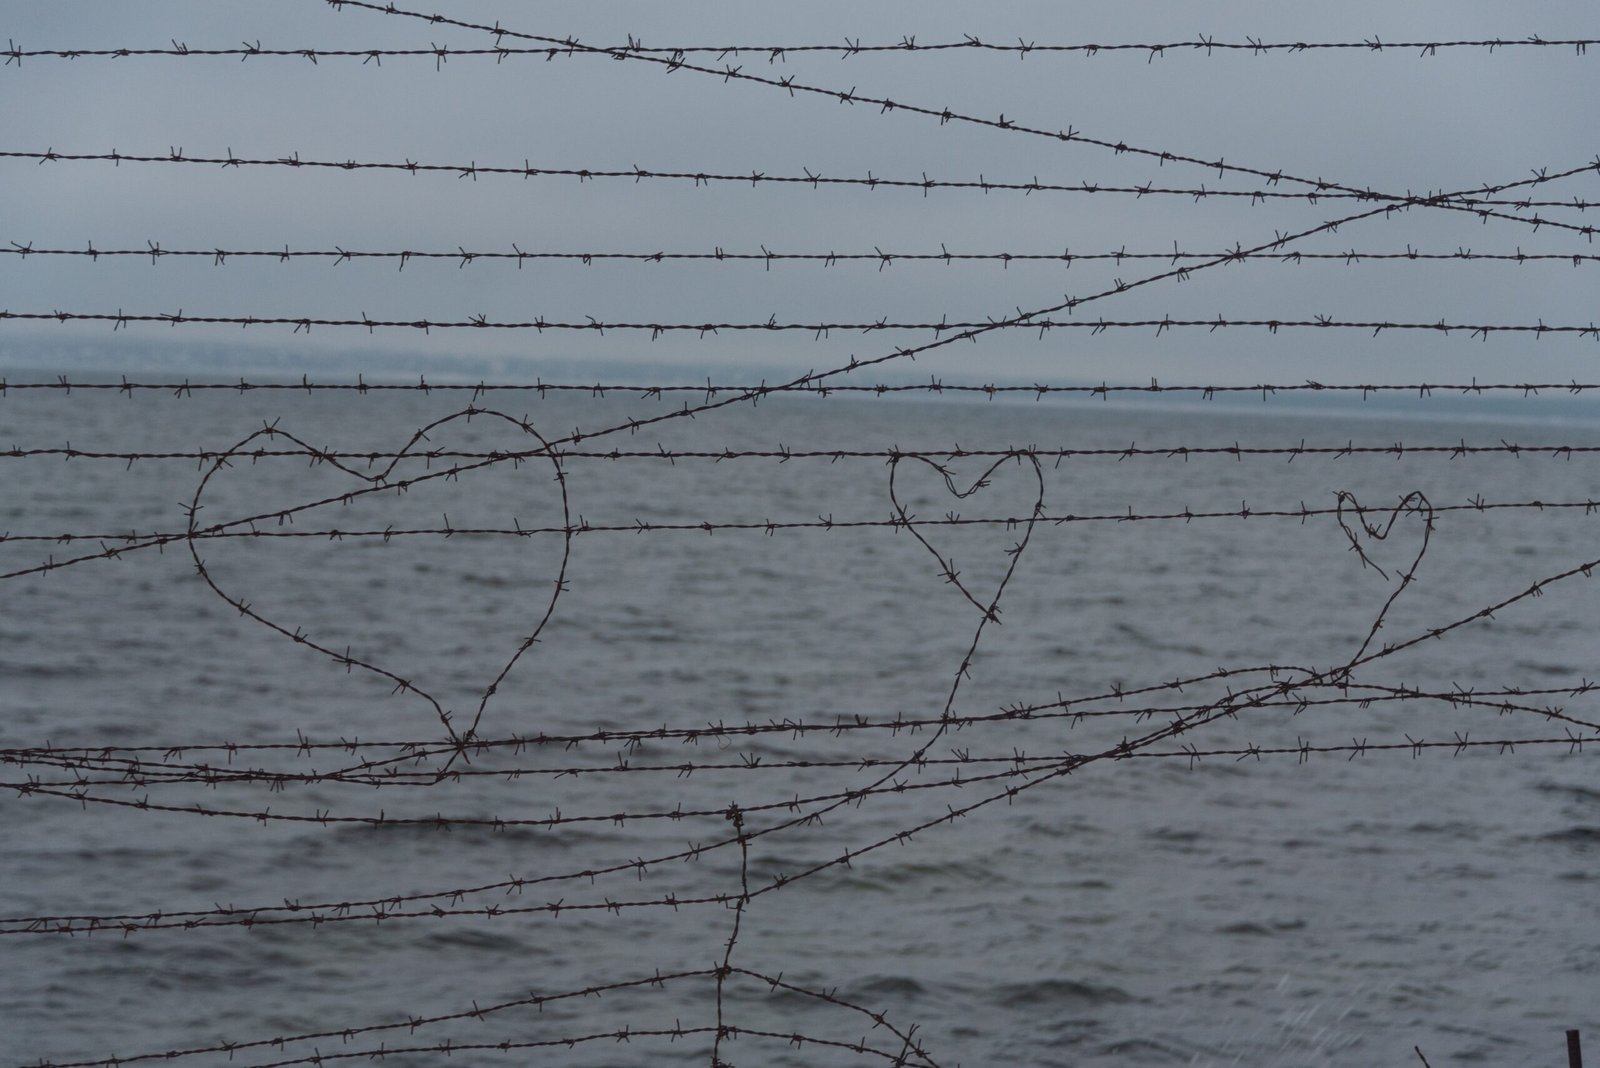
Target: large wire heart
<point x="414" y="471"/>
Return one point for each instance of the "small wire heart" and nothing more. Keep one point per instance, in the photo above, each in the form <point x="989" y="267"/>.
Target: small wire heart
<point x="1413" y="503"/>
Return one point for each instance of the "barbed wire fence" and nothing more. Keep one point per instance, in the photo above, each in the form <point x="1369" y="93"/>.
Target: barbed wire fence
<point x="776" y="796"/>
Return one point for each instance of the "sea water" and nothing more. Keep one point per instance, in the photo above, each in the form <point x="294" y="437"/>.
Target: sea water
<point x="1295" y="883"/>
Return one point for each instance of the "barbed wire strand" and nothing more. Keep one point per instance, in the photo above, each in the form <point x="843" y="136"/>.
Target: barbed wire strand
<point x="142" y="774"/>
<point x="134" y="541"/>
<point x="219" y="257"/>
<point x="415" y="751"/>
<point x="807" y="386"/>
<point x="1478" y="203"/>
<point x="784" y="454"/>
<point x="964" y="329"/>
<point x="774" y="53"/>
<point x="537" y="1001"/>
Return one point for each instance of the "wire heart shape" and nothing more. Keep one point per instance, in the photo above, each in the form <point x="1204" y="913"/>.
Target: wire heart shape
<point x="1413" y="503"/>
<point x="908" y="521"/>
<point x="440" y="471"/>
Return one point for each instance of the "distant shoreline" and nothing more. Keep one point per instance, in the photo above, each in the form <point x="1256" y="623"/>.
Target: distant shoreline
<point x="39" y="360"/>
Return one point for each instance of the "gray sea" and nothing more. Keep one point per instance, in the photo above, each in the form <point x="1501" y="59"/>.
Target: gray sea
<point x="974" y="830"/>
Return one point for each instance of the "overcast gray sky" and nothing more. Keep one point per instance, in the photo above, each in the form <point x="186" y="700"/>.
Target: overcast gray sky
<point x="1392" y="121"/>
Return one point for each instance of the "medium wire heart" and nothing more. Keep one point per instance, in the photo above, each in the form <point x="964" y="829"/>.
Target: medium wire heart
<point x="904" y="519"/>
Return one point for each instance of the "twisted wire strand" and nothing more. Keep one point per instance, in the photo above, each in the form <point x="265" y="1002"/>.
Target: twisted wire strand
<point x="807" y="386"/>
<point x="105" y="757"/>
<point x="141" y="774"/>
<point x="1480" y="203"/>
<point x="219" y="257"/>
<point x="657" y="980"/>
<point x="244" y="529"/>
<point x="907" y="44"/>
<point x="783" y="454"/>
<point x="962" y="330"/>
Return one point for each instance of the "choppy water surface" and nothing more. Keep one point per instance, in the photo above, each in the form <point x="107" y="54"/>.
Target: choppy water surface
<point x="1270" y="904"/>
